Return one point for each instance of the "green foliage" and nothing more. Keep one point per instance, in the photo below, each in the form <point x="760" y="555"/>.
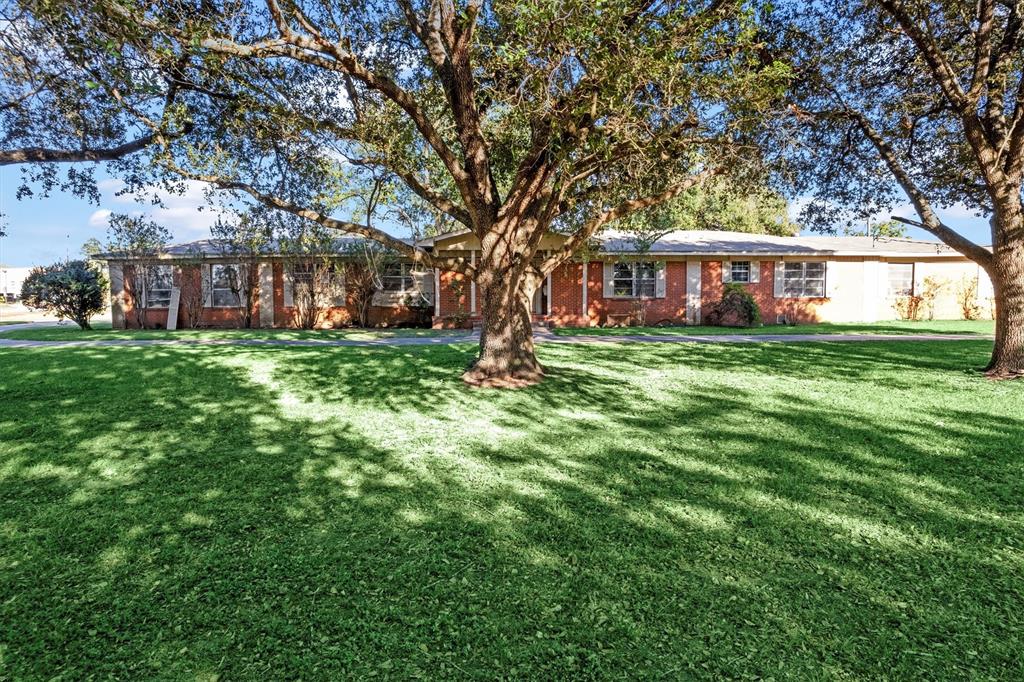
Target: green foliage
<point x="73" y="290"/>
<point x="886" y="229"/>
<point x="136" y="236"/>
<point x="718" y="205"/>
<point x="91" y="247"/>
<point x="737" y="307"/>
<point x="705" y="511"/>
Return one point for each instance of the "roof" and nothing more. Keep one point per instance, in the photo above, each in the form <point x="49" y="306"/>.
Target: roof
<point x="213" y="248"/>
<point x="708" y="242"/>
<point x="677" y="243"/>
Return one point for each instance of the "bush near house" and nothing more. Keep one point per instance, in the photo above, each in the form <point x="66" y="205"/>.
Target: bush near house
<point x="72" y="290"/>
<point x="736" y="309"/>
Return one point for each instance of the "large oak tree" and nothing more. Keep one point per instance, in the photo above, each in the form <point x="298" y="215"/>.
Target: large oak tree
<point x="926" y="95"/>
<point x="506" y="118"/>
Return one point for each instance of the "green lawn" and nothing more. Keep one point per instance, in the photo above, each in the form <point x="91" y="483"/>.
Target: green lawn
<point x="842" y="511"/>
<point x="887" y="327"/>
<point x="102" y="330"/>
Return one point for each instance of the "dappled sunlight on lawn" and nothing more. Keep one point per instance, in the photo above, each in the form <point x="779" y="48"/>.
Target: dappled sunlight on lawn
<point x="761" y="510"/>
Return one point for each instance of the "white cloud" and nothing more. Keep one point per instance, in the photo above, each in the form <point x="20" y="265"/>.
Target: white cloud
<point x="188" y="215"/>
<point x="99" y="217"/>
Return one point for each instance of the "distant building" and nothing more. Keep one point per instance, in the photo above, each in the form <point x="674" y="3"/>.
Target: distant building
<point x="11" y="279"/>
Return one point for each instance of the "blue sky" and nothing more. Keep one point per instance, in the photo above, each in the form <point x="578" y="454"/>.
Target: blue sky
<point x="41" y="231"/>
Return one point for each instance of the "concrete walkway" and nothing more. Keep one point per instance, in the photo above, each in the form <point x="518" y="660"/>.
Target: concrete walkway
<point x="541" y="336"/>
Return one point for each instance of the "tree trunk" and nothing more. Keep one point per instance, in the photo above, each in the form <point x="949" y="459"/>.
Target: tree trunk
<point x="1008" y="285"/>
<point x="506" y="358"/>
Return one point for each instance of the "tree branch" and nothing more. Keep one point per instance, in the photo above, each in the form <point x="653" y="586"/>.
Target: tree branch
<point x="414" y="253"/>
<point x="929" y="219"/>
<point x="581" y="236"/>
<point x="43" y="155"/>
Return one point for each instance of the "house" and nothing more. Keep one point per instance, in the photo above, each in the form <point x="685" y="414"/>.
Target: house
<point x="677" y="279"/>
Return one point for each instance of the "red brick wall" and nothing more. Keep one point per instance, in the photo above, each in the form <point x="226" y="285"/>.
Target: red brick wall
<point x="283" y="316"/>
<point x="455" y="299"/>
<point x="567" y="296"/>
<point x="670" y="308"/>
<point x="335" y="317"/>
<point x="800" y="310"/>
<point x="187" y="276"/>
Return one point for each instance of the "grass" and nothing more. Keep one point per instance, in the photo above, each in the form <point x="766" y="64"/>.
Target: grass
<point x="847" y="511"/>
<point x="887" y="327"/>
<point x="102" y="330"/>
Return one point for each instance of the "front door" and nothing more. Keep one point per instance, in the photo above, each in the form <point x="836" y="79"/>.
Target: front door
<point x="540" y="300"/>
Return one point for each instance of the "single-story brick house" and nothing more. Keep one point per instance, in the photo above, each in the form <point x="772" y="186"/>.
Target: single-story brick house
<point x="676" y="279"/>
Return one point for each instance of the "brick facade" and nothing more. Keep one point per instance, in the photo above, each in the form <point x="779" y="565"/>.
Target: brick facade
<point x="857" y="290"/>
<point x="189" y="276"/>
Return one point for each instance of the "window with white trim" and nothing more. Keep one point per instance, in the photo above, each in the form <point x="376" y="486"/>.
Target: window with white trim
<point x="804" y="279"/>
<point x="159" y="282"/>
<point x="224" y="281"/>
<point x="398" y="277"/>
<point x="901" y="279"/>
<point x="740" y="270"/>
<point x="634" y="279"/>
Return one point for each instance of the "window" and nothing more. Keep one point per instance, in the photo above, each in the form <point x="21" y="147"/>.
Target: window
<point x="741" y="271"/>
<point x="804" y="280"/>
<point x="160" y="281"/>
<point x="397" y="277"/>
<point x="225" y="284"/>
<point x="324" y="281"/>
<point x="633" y="280"/>
<point x="901" y="279"/>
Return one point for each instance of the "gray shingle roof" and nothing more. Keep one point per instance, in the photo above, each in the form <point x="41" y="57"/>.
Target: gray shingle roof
<point x="678" y="243"/>
<point x="708" y="242"/>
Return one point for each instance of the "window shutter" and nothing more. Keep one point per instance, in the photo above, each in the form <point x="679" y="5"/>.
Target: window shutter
<point x="755" y="271"/>
<point x="207" y="278"/>
<point x="661" y="270"/>
<point x="780" y="279"/>
<point x="726" y="271"/>
<point x="609" y="287"/>
<point x="289" y="289"/>
<point x="831" y="275"/>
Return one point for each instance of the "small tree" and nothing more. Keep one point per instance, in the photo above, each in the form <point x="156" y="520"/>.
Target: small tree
<point x="73" y="290"/>
<point x="245" y="240"/>
<point x="365" y="277"/>
<point x="312" y="272"/>
<point x="967" y="298"/>
<point x="193" y="298"/>
<point x="141" y="242"/>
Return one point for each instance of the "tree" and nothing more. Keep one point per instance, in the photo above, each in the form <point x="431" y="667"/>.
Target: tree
<point x="91" y="247"/>
<point x="367" y="264"/>
<point x="70" y="97"/>
<point x="928" y="97"/>
<point x="245" y="239"/>
<point x="721" y="205"/>
<point x="193" y="297"/>
<point x="507" y="118"/>
<point x="74" y="290"/>
<point x="314" y="274"/>
<point x="886" y="229"/>
<point x="141" y="242"/>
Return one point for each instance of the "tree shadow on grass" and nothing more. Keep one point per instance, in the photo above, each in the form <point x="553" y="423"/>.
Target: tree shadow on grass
<point x="286" y="513"/>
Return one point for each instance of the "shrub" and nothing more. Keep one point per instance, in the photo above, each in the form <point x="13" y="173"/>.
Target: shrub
<point x="908" y="307"/>
<point x="736" y="309"/>
<point x="967" y="298"/>
<point x="73" y="290"/>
